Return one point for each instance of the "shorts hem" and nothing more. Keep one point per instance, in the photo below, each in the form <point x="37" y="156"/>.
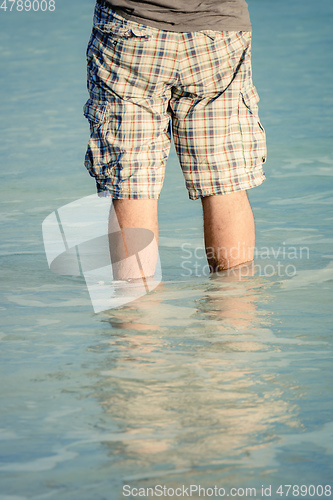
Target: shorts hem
<point x="104" y="192"/>
<point x="227" y="189"/>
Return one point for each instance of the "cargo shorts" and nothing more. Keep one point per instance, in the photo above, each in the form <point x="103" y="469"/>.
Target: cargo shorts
<point x="147" y="84"/>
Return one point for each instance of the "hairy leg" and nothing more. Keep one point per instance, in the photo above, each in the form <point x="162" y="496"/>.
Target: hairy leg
<point x="134" y="217"/>
<point x="229" y="230"/>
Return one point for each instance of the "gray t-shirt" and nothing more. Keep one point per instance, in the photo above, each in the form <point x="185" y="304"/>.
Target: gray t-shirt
<point x="186" y="15"/>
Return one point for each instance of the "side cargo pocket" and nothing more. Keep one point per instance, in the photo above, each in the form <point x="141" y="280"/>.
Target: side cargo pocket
<point x="253" y="133"/>
<point x="99" y="157"/>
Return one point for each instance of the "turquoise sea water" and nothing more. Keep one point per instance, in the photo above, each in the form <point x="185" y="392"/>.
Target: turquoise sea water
<point x="208" y="380"/>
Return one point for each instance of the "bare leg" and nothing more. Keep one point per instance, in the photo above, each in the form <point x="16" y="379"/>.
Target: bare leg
<point x="134" y="214"/>
<point x="229" y="230"/>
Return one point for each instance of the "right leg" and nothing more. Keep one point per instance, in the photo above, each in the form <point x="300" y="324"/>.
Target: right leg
<point x="221" y="143"/>
<point x="229" y="230"/>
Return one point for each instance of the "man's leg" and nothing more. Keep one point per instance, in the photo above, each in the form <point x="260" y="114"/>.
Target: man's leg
<point x="137" y="214"/>
<point x="134" y="214"/>
<point x="229" y="230"/>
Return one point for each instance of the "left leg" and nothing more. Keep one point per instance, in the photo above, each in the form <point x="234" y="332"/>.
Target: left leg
<point x="133" y="251"/>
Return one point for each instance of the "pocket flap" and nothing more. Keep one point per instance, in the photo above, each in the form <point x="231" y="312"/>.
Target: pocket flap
<point x="122" y="31"/>
<point x="112" y="29"/>
<point x="251" y="98"/>
<point x="95" y="110"/>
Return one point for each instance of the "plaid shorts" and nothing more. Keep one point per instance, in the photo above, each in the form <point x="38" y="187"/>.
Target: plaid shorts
<point x="144" y="83"/>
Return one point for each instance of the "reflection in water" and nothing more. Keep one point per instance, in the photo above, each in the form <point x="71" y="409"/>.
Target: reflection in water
<point x="203" y="395"/>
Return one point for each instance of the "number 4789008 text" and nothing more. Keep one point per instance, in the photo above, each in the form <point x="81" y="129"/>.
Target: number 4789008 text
<point x="33" y="5"/>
